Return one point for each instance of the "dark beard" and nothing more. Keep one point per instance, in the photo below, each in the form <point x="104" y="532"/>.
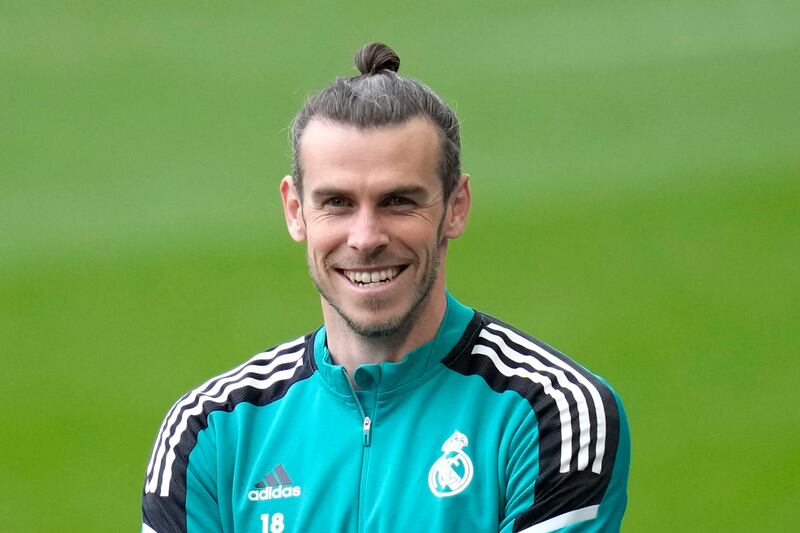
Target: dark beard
<point x="403" y="324"/>
<point x="389" y="328"/>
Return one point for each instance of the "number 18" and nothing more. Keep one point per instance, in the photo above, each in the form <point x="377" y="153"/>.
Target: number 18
<point x="273" y="524"/>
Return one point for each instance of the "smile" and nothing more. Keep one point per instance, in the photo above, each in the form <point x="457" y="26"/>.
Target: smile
<point x="371" y="278"/>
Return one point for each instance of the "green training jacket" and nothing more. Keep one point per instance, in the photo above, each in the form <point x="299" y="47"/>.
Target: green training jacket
<point x="482" y="429"/>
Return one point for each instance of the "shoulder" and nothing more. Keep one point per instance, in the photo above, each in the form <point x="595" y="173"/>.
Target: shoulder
<point x="578" y="414"/>
<point x="264" y="378"/>
<point x="575" y="439"/>
<point x="259" y="380"/>
<point x="510" y="359"/>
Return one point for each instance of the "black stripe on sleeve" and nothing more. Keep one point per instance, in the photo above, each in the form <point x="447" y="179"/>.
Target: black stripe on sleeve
<point x="572" y="382"/>
<point x="555" y="492"/>
<point x="177" y="410"/>
<point x="168" y="514"/>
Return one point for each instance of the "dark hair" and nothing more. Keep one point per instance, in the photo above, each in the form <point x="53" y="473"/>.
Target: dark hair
<point x="379" y="97"/>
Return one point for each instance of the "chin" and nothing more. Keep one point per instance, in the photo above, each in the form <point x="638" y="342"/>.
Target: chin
<point x="374" y="326"/>
<point x="374" y="321"/>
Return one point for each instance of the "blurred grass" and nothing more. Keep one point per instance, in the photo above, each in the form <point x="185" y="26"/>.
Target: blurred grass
<point x="635" y="171"/>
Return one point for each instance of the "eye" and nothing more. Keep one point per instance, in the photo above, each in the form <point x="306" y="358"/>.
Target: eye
<point x="399" y="201"/>
<point x="336" y="202"/>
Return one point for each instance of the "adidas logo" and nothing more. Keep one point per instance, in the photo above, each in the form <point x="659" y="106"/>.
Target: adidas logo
<point x="276" y="484"/>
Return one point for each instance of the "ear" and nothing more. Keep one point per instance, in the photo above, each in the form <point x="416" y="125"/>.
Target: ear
<point x="293" y="210"/>
<point x="457" y="209"/>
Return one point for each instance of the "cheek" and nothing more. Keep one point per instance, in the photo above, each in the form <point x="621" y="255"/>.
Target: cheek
<point x="321" y="241"/>
<point x="423" y="239"/>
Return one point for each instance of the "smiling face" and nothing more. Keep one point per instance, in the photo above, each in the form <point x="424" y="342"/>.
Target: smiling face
<point x="375" y="221"/>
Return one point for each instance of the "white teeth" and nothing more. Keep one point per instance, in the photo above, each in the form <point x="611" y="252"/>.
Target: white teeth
<point x="371" y="277"/>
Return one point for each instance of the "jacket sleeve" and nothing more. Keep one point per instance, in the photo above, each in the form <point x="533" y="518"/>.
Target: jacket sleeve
<point x="542" y="495"/>
<point x="180" y="491"/>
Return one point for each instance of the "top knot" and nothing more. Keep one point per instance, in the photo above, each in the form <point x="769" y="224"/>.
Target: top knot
<point x="375" y="57"/>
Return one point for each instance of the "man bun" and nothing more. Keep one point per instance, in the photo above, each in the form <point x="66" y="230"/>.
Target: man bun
<point x="379" y="97"/>
<point x="374" y="57"/>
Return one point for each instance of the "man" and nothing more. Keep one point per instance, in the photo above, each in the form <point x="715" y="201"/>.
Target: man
<point x="407" y="411"/>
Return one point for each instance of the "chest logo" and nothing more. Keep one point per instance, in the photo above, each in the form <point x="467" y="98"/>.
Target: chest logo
<point x="452" y="472"/>
<point x="276" y="484"/>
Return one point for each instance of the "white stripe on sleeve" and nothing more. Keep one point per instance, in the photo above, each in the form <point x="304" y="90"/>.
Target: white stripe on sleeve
<point x="564" y="520"/>
<point x="600" y="445"/>
<point x="547" y="386"/>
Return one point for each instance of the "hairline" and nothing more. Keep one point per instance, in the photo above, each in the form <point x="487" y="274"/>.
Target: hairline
<point x="441" y="164"/>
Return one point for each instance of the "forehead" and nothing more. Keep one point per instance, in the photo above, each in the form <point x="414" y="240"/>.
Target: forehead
<point x="345" y="156"/>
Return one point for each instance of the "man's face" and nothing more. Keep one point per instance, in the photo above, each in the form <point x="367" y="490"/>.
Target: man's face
<point x="375" y="221"/>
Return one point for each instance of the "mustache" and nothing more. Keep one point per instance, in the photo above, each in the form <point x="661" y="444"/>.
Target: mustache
<point x="356" y="261"/>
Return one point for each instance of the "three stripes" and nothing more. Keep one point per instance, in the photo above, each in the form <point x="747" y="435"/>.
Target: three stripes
<point x="260" y="372"/>
<point x="560" y="380"/>
<point x="277" y="477"/>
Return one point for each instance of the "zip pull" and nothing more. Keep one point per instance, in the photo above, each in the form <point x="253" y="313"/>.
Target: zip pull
<point x="367" y="431"/>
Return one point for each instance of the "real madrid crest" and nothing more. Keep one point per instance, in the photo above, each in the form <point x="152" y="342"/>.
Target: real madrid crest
<point x="452" y="472"/>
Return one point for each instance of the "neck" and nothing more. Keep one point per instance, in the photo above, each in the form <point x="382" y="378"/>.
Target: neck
<point x="352" y="350"/>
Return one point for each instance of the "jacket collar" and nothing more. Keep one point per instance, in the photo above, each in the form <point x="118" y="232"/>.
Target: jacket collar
<point x="386" y="376"/>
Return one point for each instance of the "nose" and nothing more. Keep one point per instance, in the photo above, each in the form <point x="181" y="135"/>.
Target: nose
<point x="367" y="232"/>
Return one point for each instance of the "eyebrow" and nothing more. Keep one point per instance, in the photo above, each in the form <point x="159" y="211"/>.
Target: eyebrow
<point x="407" y="191"/>
<point x="328" y="192"/>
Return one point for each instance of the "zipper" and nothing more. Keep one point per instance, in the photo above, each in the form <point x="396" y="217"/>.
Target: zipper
<point x="367" y="431"/>
<point x="366" y="440"/>
<point x="366" y="428"/>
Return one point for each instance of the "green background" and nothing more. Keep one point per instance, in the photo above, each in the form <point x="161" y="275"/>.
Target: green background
<point x="636" y="181"/>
